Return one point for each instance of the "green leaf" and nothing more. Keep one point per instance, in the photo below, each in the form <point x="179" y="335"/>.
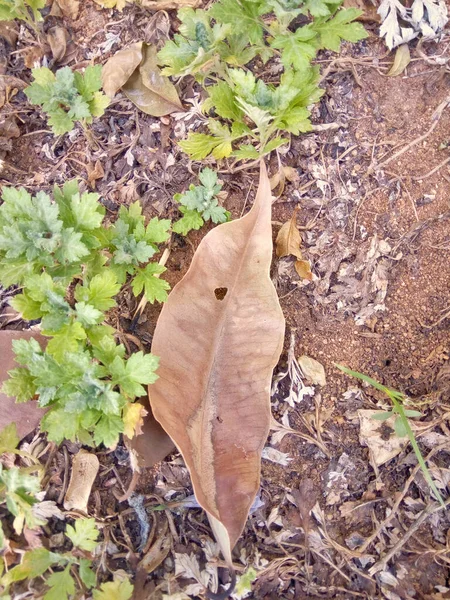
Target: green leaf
<point x="129" y="375"/>
<point x="99" y="104"/>
<point x="321" y="8"/>
<point x="60" y="121"/>
<point x="65" y="340"/>
<point x="296" y="51"/>
<point x="332" y="31"/>
<point x="87" y="575"/>
<point x="191" y="219"/>
<point x="274" y="144"/>
<point x="9" y="440"/>
<point x="87" y="212"/>
<point x="242" y="15"/>
<point x="244" y="583"/>
<point x="20" y="385"/>
<point x="84" y="535"/>
<point x="34" y="564"/>
<point x="114" y="590"/>
<point x="246" y="152"/>
<point x="100" y="291"/>
<point x="87" y="314"/>
<point x="157" y="231"/>
<point x="90" y="81"/>
<point x="199" y="145"/>
<point x="382" y="416"/>
<point x="413" y="413"/>
<point x="106" y="350"/>
<point x="61" y="584"/>
<point x="221" y="97"/>
<point x="154" y="288"/>
<point x="60" y="425"/>
<point x="28" y="308"/>
<point x="400" y="427"/>
<point x="107" y="430"/>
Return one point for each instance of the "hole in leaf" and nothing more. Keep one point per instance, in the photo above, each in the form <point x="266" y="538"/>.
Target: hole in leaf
<point x="220" y="293"/>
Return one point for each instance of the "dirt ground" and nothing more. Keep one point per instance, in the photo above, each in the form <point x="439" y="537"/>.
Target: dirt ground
<point x="331" y="522"/>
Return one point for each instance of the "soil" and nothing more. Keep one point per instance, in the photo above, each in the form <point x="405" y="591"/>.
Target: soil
<point x="377" y="236"/>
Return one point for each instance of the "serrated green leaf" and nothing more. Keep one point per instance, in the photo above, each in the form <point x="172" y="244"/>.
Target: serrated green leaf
<point x="100" y="292"/>
<point x="129" y="375"/>
<point x="157" y="231"/>
<point x="297" y="52"/>
<point x="87" y="575"/>
<point x="61" y="584"/>
<point x="320" y="8"/>
<point x="65" y="340"/>
<point x="221" y="97"/>
<point x="87" y="314"/>
<point x="106" y="350"/>
<point x="60" y="121"/>
<point x="340" y="27"/>
<point x="99" y="104"/>
<point x="90" y="81"/>
<point x="28" y="308"/>
<point x="20" y="385"/>
<point x="84" y="535"/>
<point x="246" y="152"/>
<point x="241" y="15"/>
<point x="114" y="590"/>
<point x="107" y="430"/>
<point x="155" y="289"/>
<point x="34" y="564"/>
<point x="191" y="219"/>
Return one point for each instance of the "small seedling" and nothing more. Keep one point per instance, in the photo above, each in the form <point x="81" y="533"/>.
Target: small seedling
<point x="200" y="204"/>
<point x="68" y="96"/>
<point x="248" y="116"/>
<point x="401" y="423"/>
<point x="70" y="267"/>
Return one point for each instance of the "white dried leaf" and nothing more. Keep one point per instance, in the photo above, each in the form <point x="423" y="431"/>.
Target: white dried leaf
<point x="371" y="435"/>
<point x="275" y="456"/>
<point x="313" y="370"/>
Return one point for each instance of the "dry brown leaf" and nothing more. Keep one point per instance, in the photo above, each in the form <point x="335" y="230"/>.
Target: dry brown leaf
<point x="288" y="238"/>
<point x="84" y="471"/>
<point x="303" y="268"/>
<point x="218" y="337"/>
<point x="169" y="4"/>
<point x="9" y="85"/>
<point x="8" y="127"/>
<point x="8" y="31"/>
<point x="119" y="68"/>
<point x="69" y="8"/>
<point x="94" y="172"/>
<point x="28" y="415"/>
<point x="32" y="56"/>
<point x="401" y="60"/>
<point x="150" y="91"/>
<point x="57" y="38"/>
<point x="380" y="437"/>
<point x="152" y="445"/>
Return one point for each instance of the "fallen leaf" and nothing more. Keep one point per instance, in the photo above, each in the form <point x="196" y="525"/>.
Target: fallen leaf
<point x="69" y="8"/>
<point x="313" y="370"/>
<point x="150" y="91"/>
<point x="401" y="60"/>
<point x="32" y="56"/>
<point x="218" y="337"/>
<point x="28" y="415"/>
<point x="84" y="471"/>
<point x="8" y="31"/>
<point x="152" y="445"/>
<point x="375" y="435"/>
<point x="9" y="84"/>
<point x="57" y="38"/>
<point x="8" y="127"/>
<point x="157" y="553"/>
<point x="169" y="4"/>
<point x="94" y="172"/>
<point x="119" y="68"/>
<point x="288" y="239"/>
<point x="275" y="456"/>
<point x="158" y="28"/>
<point x="303" y="268"/>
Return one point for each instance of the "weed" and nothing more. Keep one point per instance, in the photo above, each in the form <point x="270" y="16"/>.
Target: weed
<point x="401" y="423"/>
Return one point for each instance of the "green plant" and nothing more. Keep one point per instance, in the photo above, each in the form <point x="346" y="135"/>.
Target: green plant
<point x="68" y="96"/>
<point x="401" y="423"/>
<point x="25" y="10"/>
<point x="200" y="204"/>
<point x="70" y="267"/>
<point x="247" y="115"/>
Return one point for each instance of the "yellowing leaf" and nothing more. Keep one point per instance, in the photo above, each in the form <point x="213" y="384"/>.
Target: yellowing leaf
<point x="303" y="269"/>
<point x="288" y="239"/>
<point x="133" y="418"/>
<point x="119" y="4"/>
<point x="401" y="60"/>
<point x="222" y="325"/>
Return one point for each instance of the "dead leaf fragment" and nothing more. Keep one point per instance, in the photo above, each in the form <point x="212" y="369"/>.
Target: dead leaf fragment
<point x="84" y="471"/>
<point x="28" y="415"/>
<point x="401" y="60"/>
<point x="219" y="416"/>
<point x="94" y="172"/>
<point x="288" y="239"/>
<point x="120" y="67"/>
<point x="69" y="8"/>
<point x="169" y="4"/>
<point x="379" y="437"/>
<point x="313" y="370"/>
<point x="8" y="31"/>
<point x="57" y="38"/>
<point x="135" y="71"/>
<point x="303" y="268"/>
<point x="150" y="91"/>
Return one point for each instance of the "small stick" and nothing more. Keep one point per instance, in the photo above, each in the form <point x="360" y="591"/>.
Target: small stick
<point x="433" y="171"/>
